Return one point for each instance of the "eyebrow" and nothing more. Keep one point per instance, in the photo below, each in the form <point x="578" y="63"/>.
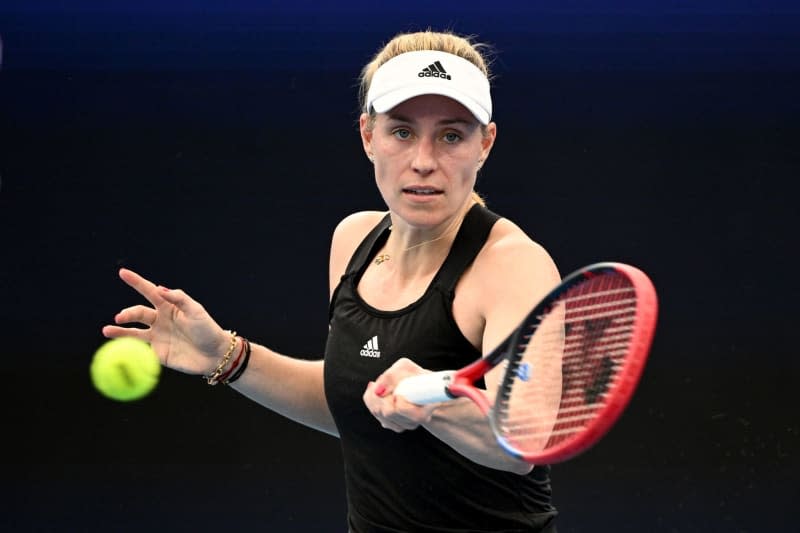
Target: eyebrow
<point x="445" y="122"/>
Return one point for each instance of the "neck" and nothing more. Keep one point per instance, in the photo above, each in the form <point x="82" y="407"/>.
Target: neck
<point x="398" y="252"/>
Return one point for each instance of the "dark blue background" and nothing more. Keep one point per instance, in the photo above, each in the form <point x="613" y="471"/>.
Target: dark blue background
<point x="214" y="147"/>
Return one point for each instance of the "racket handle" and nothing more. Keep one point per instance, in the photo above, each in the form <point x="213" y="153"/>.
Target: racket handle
<point x="426" y="388"/>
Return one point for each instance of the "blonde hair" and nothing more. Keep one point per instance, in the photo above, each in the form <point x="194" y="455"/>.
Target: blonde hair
<point x="445" y="41"/>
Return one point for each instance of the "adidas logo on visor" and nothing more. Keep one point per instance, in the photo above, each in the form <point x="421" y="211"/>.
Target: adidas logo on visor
<point x="434" y="70"/>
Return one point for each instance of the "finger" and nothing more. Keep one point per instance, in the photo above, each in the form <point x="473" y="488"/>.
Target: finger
<point x="402" y="421"/>
<point x="385" y="424"/>
<point x="376" y="388"/>
<point x="385" y="384"/>
<point x="178" y="298"/>
<point x="141" y="285"/>
<point x="399" y="423"/>
<point x="416" y="414"/>
<point x="113" y="332"/>
<point x="138" y="314"/>
<point x="371" y="400"/>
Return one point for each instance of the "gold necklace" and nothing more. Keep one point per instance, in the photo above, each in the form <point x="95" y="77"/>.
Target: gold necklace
<point x="382" y="258"/>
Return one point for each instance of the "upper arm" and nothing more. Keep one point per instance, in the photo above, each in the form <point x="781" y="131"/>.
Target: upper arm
<point x="515" y="273"/>
<point x="346" y="237"/>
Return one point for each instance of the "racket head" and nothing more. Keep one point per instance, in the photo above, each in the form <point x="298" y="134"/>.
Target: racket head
<point x="576" y="362"/>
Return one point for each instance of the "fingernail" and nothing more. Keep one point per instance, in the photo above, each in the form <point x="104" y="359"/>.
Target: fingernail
<point x="379" y="390"/>
<point x="163" y="288"/>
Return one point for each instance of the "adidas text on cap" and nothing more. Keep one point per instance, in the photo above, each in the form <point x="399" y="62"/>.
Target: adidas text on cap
<point x="430" y="72"/>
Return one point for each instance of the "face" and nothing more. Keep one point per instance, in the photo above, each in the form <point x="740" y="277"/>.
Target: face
<point x="427" y="152"/>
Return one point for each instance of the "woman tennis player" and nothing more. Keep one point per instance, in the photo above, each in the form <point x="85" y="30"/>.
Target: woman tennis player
<point x="430" y="284"/>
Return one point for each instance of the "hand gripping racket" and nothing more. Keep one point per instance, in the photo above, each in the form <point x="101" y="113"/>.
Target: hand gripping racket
<point x="571" y="366"/>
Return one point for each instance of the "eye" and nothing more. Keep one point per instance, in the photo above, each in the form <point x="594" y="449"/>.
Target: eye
<point x="401" y="133"/>
<point x="451" y="137"/>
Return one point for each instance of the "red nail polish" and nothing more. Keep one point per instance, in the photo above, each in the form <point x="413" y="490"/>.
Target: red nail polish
<point x="379" y="390"/>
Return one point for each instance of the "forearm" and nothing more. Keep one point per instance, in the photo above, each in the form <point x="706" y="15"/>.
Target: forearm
<point x="288" y="386"/>
<point x="461" y="425"/>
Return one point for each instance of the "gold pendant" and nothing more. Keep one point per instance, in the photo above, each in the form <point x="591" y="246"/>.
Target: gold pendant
<point x="381" y="258"/>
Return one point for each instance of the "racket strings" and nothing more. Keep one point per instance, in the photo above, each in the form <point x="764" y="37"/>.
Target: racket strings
<point x="566" y="363"/>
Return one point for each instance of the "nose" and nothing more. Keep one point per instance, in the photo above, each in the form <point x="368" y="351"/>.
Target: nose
<point x="424" y="161"/>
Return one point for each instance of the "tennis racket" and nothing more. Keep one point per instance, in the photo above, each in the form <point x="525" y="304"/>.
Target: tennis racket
<point x="571" y="366"/>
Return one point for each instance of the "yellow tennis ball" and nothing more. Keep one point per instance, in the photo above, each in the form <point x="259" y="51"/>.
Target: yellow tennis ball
<point x="125" y="369"/>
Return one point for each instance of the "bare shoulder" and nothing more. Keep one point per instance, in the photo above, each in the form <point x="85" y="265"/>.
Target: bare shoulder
<point x="512" y="266"/>
<point x="347" y="235"/>
<point x="509" y="246"/>
<point x="365" y="220"/>
<point x="352" y="229"/>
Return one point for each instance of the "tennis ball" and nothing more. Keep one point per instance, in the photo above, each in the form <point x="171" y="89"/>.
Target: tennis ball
<point x="125" y="369"/>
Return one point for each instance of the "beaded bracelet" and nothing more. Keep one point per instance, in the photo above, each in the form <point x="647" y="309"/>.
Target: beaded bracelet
<point x="240" y="370"/>
<point x="213" y="378"/>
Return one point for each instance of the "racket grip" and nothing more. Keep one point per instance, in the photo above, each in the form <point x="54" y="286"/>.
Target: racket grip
<point x="426" y="388"/>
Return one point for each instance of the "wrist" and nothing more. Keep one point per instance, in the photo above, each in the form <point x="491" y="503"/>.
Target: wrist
<point x="220" y="347"/>
<point x="240" y="365"/>
<point x="228" y="349"/>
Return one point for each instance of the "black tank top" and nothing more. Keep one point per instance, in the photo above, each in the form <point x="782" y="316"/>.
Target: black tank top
<point x="412" y="481"/>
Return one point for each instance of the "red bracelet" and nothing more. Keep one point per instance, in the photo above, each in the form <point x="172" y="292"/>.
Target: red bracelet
<point x="243" y="366"/>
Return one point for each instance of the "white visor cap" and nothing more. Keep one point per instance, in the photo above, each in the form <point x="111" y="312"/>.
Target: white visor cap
<point x="430" y="72"/>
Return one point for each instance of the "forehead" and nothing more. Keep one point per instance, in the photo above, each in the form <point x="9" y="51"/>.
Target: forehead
<point x="431" y="107"/>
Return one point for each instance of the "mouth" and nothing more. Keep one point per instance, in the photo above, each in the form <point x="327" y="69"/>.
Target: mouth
<point x="421" y="191"/>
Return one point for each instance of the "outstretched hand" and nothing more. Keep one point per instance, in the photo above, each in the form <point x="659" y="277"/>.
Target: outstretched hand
<point x="179" y="329"/>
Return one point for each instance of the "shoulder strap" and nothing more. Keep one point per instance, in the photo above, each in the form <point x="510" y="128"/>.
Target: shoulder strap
<point x="469" y="240"/>
<point x="368" y="247"/>
<point x="361" y="257"/>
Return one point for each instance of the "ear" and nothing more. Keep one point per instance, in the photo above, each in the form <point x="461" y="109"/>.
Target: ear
<point x="366" y="134"/>
<point x="487" y="140"/>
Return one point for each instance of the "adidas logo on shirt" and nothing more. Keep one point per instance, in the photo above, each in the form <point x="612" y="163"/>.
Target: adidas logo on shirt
<point x="370" y="349"/>
<point x="434" y="70"/>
